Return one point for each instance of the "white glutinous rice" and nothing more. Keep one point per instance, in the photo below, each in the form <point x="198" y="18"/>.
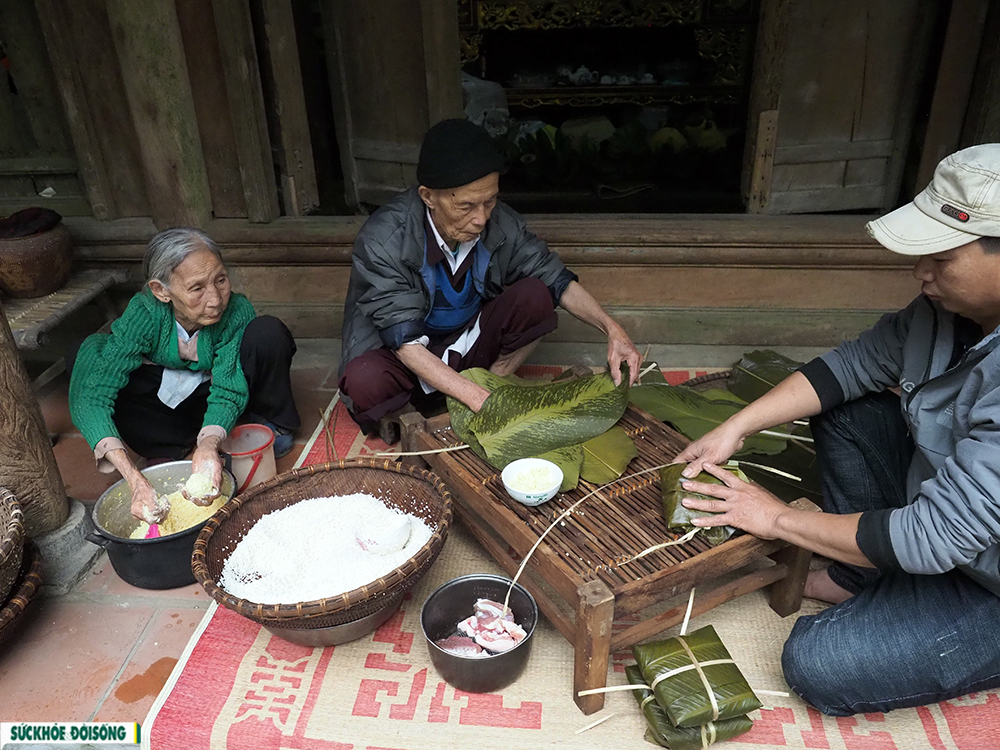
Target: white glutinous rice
<point x="311" y="550"/>
<point x="535" y="479"/>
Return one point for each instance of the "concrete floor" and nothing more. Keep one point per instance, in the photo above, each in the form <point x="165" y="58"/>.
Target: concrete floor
<point x="104" y="650"/>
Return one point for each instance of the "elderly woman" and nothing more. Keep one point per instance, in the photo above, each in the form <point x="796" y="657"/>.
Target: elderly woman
<point x="183" y="363"/>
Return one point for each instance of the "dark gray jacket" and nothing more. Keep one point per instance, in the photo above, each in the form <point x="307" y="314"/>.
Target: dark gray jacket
<point x="388" y="295"/>
<point x="953" y="519"/>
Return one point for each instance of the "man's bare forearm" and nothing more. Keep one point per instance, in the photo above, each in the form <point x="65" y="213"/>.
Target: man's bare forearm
<point x="436" y="373"/>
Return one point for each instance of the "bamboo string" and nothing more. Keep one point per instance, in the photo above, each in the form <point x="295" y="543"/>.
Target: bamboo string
<point x="593" y="724"/>
<point x="423" y="453"/>
<point x="326" y="435"/>
<point x="789" y="436"/>
<point x="687" y="615"/>
<point x="567" y="512"/>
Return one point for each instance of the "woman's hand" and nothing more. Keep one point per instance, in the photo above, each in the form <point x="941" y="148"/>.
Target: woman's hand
<point x="712" y="448"/>
<point x="739" y="504"/>
<point x="206" y="460"/>
<point x="146" y="504"/>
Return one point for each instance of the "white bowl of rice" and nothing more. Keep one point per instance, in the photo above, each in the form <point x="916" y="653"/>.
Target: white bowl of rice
<point x="532" y="481"/>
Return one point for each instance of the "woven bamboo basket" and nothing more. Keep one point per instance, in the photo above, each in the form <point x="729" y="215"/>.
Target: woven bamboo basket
<point x="36" y="265"/>
<point x="405" y="488"/>
<point x="28" y="582"/>
<point x="11" y="541"/>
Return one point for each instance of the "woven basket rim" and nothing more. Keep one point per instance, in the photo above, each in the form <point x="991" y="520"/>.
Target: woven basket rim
<point x="30" y="583"/>
<point x="282" y="613"/>
<point x="13" y="515"/>
<point x="710" y="378"/>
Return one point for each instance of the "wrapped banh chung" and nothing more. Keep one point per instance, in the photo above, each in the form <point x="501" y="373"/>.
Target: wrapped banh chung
<point x="678" y="517"/>
<point x="694" y="678"/>
<point x="667" y="735"/>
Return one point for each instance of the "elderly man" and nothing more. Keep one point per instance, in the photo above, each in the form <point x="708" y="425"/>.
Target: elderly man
<point x="911" y="482"/>
<point x="446" y="277"/>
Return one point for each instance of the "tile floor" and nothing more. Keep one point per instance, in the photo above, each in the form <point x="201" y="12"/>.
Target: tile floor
<point x="103" y="651"/>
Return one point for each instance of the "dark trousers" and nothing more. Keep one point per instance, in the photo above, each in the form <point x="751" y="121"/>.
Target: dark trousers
<point x="903" y="639"/>
<point x="154" y="430"/>
<point x="377" y="383"/>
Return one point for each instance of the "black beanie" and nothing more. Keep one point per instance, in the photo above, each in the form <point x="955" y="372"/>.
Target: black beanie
<point x="455" y="153"/>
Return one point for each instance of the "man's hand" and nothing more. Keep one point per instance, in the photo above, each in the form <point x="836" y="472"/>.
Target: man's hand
<point x="715" y="447"/>
<point x="621" y="349"/>
<point x="579" y="303"/>
<point x="739" y="504"/>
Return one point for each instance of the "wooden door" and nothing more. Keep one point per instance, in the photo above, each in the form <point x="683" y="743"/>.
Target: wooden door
<point x="394" y="72"/>
<point x="842" y="83"/>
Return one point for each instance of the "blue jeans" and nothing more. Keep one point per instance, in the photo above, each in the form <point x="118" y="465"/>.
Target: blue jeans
<point x="902" y="640"/>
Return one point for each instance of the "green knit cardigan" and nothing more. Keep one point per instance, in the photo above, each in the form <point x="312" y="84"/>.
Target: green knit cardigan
<point x="147" y="329"/>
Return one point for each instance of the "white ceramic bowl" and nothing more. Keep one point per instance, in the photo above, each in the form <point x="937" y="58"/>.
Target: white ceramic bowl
<point x="532" y="481"/>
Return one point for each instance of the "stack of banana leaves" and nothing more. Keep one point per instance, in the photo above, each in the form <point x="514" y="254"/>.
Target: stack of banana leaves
<point x="786" y="450"/>
<point x="569" y="422"/>
<point x="690" y="691"/>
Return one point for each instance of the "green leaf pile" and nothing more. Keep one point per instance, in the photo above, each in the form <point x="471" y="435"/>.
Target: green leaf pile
<point x="548" y="420"/>
<point x="693" y="413"/>
<point x="757" y="372"/>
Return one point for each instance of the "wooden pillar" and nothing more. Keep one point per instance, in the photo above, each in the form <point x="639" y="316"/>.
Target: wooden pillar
<point x="148" y="41"/>
<point x="246" y="103"/>
<point x="27" y="464"/>
<point x="295" y="157"/>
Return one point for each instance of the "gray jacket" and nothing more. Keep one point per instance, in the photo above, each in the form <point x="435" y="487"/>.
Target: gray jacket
<point x="388" y="295"/>
<point x="953" y="519"/>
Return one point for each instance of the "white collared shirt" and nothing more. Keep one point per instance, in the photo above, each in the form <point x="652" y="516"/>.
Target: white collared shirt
<point x="177" y="385"/>
<point x="454" y="257"/>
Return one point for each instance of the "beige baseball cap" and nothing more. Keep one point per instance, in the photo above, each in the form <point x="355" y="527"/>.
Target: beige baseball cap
<point x="961" y="204"/>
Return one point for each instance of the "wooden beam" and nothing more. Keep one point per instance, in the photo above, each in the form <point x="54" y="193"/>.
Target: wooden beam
<point x="763" y="162"/>
<point x="25" y="47"/>
<point x="295" y="155"/>
<point x="982" y="123"/>
<point x="953" y="86"/>
<point x="441" y="59"/>
<point x="147" y="38"/>
<point x="765" y="80"/>
<point x="246" y="103"/>
<point x="68" y="72"/>
<point x="211" y="105"/>
<point x="333" y="14"/>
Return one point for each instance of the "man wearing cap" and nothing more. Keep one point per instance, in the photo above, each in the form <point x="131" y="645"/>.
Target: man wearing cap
<point x="906" y="420"/>
<point x="446" y="277"/>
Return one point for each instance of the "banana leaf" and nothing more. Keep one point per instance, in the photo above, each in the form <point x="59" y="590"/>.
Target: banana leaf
<point x="683" y="695"/>
<point x="721" y="394"/>
<point x="518" y="421"/>
<point x="797" y="459"/>
<point x="758" y="372"/>
<point x="569" y="459"/>
<point x="681" y="738"/>
<point x="693" y="415"/>
<point x="678" y="517"/>
<point x="606" y="456"/>
<point x="653" y="376"/>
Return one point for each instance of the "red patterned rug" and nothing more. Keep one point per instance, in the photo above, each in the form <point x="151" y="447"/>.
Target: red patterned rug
<point x="238" y="687"/>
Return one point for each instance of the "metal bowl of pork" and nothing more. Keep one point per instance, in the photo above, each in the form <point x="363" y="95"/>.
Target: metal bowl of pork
<point x="453" y="602"/>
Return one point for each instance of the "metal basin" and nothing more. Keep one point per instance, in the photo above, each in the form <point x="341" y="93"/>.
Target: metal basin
<point x="160" y="563"/>
<point x="453" y="602"/>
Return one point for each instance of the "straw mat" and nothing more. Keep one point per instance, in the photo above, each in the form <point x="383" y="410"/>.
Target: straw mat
<point x="238" y="687"/>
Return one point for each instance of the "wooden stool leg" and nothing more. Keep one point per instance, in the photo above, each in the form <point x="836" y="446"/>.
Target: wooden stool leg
<point x="594" y="614"/>
<point x="786" y="594"/>
<point x="411" y="423"/>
